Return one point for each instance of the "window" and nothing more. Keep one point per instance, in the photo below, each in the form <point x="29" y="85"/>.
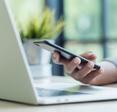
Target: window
<point x="83" y="19"/>
<point x="113" y="19"/>
<point x="83" y="29"/>
<point x="112" y="44"/>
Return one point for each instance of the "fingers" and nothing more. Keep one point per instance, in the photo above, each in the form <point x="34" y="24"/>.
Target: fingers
<point x="56" y="57"/>
<point x="86" y="69"/>
<point x="72" y="65"/>
<point x="89" y="55"/>
<point x="69" y="65"/>
<point x="82" y="72"/>
<point x="59" y="59"/>
<point x="93" y="76"/>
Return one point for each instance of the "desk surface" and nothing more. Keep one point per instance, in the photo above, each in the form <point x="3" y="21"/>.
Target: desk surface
<point x="110" y="106"/>
<point x="107" y="106"/>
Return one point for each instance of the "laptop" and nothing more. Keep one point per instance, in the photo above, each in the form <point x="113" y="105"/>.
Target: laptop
<point x="17" y="84"/>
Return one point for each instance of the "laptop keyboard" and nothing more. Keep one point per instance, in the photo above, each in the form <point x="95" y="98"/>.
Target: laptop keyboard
<point x="76" y="90"/>
<point x="52" y="92"/>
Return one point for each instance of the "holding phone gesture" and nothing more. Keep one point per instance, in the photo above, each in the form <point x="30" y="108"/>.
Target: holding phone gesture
<point x="82" y="67"/>
<point x="82" y="72"/>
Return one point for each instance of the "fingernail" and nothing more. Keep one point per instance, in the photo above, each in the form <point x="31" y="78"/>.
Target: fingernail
<point x="77" y="60"/>
<point x="54" y="56"/>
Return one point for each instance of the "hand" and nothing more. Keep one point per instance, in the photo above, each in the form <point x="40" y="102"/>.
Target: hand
<point x="82" y="72"/>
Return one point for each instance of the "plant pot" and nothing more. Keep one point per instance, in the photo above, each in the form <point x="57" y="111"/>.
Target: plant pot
<point x="38" y="59"/>
<point x="35" y="54"/>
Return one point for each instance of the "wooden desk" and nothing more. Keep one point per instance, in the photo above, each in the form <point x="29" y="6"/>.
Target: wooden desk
<point x="108" y="106"/>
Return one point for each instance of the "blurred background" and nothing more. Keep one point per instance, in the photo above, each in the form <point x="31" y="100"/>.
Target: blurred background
<point x="89" y="25"/>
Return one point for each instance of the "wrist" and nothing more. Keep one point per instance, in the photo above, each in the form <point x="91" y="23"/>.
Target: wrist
<point x="109" y="74"/>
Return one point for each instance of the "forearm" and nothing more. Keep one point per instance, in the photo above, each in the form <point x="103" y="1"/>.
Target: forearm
<point x="109" y="74"/>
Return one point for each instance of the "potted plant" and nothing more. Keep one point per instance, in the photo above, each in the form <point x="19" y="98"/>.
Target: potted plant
<point x="44" y="26"/>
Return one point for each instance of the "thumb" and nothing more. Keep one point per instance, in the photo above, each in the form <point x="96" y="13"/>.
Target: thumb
<point x="89" y="55"/>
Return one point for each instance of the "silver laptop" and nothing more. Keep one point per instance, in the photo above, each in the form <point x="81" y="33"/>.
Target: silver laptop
<point x="17" y="84"/>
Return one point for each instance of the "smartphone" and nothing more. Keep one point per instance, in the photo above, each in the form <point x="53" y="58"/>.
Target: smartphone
<point x="63" y="52"/>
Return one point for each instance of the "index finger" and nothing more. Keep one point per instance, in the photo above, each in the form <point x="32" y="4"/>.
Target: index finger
<point x="58" y="59"/>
